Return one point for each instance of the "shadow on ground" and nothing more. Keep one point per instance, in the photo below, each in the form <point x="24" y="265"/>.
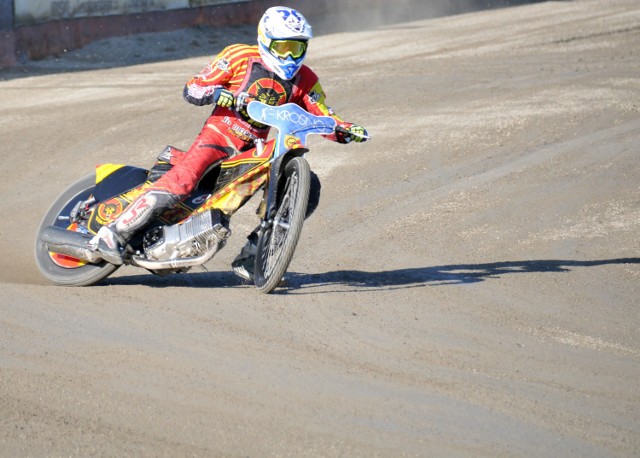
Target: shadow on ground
<point x="358" y="280"/>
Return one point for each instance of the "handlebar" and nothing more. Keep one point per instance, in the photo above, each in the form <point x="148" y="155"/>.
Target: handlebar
<point x="243" y="99"/>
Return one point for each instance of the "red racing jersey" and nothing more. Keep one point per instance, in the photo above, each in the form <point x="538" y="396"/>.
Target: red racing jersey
<point x="239" y="68"/>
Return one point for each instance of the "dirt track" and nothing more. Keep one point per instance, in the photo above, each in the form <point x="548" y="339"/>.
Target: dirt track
<point x="468" y="286"/>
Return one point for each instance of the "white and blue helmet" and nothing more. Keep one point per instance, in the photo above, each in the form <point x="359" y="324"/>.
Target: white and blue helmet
<point x="283" y="34"/>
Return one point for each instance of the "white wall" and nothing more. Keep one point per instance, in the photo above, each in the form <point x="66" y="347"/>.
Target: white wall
<point x="35" y="11"/>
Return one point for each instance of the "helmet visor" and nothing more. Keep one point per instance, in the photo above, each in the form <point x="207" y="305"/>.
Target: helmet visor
<point x="284" y="48"/>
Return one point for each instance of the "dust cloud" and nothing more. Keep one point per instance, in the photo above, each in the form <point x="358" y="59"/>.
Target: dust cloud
<point x="354" y="15"/>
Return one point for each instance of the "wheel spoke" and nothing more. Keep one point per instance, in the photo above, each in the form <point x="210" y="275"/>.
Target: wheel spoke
<point x="279" y="239"/>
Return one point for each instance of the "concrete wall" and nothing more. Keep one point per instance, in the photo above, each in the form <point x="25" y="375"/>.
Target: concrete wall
<point x="7" y="39"/>
<point x="29" y="12"/>
<point x="37" y="41"/>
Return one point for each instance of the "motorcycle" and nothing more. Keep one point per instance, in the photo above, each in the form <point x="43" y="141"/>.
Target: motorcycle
<point x="191" y="233"/>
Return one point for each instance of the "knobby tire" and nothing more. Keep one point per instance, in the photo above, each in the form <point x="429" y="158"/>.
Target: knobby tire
<point x="84" y="275"/>
<point x="277" y="241"/>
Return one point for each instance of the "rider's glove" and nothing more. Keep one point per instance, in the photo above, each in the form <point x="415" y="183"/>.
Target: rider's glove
<point x="358" y="133"/>
<point x="223" y="97"/>
<point x="354" y="133"/>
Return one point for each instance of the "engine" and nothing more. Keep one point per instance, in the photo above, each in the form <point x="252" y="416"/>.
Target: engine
<point x="190" y="238"/>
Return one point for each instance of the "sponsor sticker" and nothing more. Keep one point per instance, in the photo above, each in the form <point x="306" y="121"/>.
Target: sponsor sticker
<point x="136" y="212"/>
<point x="315" y="96"/>
<point x="108" y="211"/>
<point x="223" y="64"/>
<point x="290" y="141"/>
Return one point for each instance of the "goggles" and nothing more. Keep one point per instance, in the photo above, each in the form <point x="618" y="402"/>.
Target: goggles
<point x="284" y="48"/>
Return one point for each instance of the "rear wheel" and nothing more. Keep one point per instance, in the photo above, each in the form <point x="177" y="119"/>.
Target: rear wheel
<point x="64" y="270"/>
<point x="277" y="242"/>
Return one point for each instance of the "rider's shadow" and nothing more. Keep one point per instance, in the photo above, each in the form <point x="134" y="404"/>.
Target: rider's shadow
<point x="454" y="274"/>
<point x="358" y="280"/>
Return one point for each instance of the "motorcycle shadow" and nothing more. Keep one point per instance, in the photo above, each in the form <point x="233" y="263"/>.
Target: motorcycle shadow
<point x="205" y="279"/>
<point x="360" y="280"/>
<point x="454" y="274"/>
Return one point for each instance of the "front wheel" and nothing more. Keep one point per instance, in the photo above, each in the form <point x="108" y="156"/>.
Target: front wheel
<point x="277" y="241"/>
<point x="64" y="270"/>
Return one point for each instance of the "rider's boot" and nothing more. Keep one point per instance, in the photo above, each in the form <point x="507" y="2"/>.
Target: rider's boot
<point x="244" y="262"/>
<point x="109" y="244"/>
<point x="111" y="240"/>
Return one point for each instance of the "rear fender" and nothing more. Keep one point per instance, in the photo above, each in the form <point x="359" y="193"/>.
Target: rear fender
<point x="112" y="185"/>
<point x="115" y="179"/>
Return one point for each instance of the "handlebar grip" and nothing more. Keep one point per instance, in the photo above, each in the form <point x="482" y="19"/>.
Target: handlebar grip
<point x="242" y="100"/>
<point x="343" y="131"/>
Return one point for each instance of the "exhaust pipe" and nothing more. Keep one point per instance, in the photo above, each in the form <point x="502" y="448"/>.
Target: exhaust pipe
<point x="177" y="240"/>
<point x="69" y="243"/>
<point x="179" y="263"/>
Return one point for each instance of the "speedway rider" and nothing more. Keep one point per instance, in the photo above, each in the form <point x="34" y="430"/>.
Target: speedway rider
<point x="272" y="72"/>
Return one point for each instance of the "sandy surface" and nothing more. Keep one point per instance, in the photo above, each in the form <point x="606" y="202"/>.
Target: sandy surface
<point x="469" y="286"/>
